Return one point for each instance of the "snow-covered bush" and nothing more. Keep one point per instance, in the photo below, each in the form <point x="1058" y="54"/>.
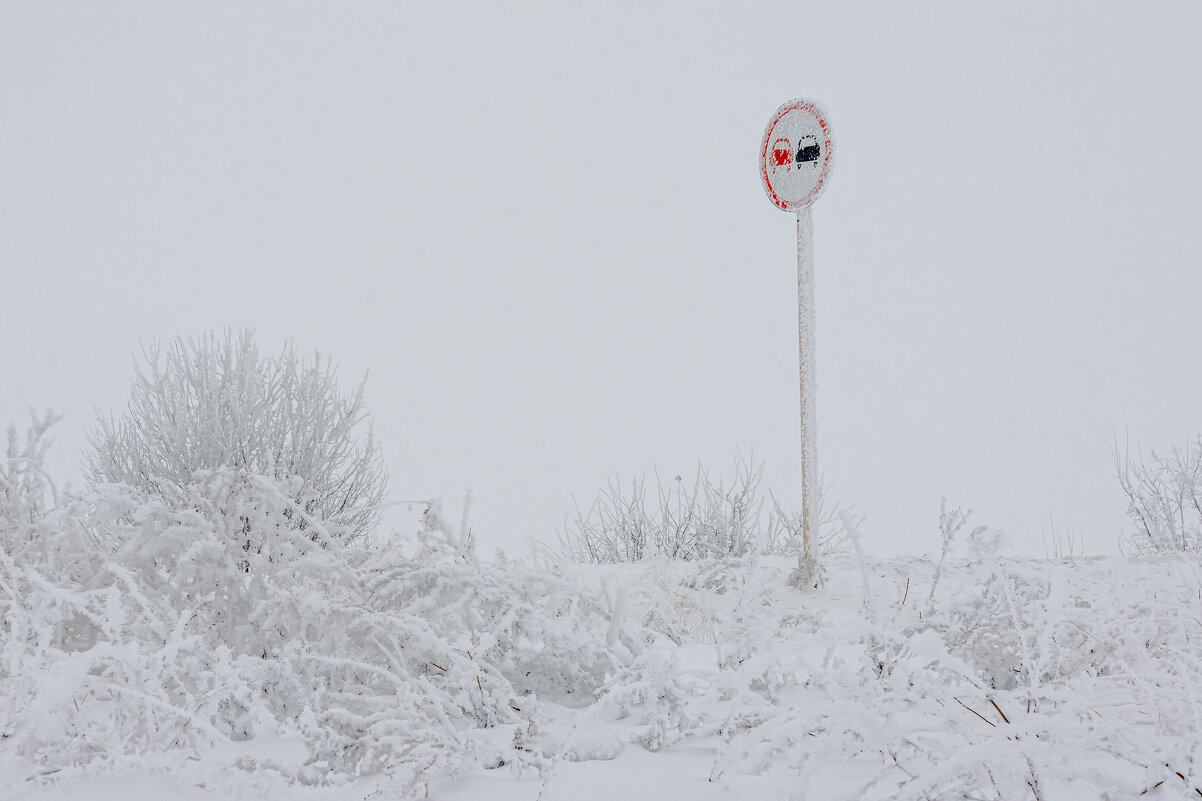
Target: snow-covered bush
<point x="982" y="677"/>
<point x="218" y="618"/>
<point x="28" y="496"/>
<point x="1021" y="678"/>
<point x="1164" y="499"/>
<point x="26" y="491"/>
<point x="702" y="521"/>
<point x="209" y="403"/>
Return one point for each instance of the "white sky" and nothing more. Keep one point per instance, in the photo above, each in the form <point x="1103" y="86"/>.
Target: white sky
<point x="540" y="227"/>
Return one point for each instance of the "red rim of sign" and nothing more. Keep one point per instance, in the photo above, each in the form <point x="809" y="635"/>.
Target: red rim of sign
<point x="828" y="150"/>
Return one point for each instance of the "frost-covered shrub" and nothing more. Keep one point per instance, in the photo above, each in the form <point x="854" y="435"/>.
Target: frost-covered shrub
<point x="702" y="521"/>
<point x="1164" y="499"/>
<point x="1014" y="677"/>
<point x="28" y="498"/>
<point x="989" y="628"/>
<point x="988" y="677"/>
<point x="26" y="491"/>
<point x="210" y="403"/>
<point x="544" y="636"/>
<point x="221" y="620"/>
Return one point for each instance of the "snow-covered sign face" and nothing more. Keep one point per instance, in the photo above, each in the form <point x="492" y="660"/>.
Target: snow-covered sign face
<point x="796" y="154"/>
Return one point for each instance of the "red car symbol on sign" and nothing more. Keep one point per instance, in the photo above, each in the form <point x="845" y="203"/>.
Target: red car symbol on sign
<point x="782" y="154"/>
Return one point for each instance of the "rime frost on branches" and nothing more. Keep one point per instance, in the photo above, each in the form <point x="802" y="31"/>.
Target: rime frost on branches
<point x="1164" y="499"/>
<point x="26" y="491"/>
<point x="700" y="519"/>
<point x="225" y="621"/>
<point x="208" y="403"/>
<point x="1017" y="676"/>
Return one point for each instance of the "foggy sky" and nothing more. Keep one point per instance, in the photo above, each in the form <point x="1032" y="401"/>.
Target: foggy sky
<point x="540" y="227"/>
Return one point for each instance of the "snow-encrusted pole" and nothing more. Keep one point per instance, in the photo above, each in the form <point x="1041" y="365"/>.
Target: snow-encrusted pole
<point x="805" y="339"/>
<point x="796" y="155"/>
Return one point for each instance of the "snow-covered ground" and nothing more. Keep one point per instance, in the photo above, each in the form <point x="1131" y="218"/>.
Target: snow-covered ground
<point x="987" y="678"/>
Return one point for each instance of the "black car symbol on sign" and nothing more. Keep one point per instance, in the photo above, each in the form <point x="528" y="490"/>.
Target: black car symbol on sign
<point x="807" y="149"/>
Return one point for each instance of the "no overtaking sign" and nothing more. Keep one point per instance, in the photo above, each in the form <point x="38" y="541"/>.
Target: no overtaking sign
<point x="796" y="155"/>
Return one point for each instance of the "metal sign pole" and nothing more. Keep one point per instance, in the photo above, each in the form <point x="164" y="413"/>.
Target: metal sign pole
<point x="805" y="330"/>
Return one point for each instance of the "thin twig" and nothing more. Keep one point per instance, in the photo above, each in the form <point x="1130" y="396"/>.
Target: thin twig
<point x="975" y="712"/>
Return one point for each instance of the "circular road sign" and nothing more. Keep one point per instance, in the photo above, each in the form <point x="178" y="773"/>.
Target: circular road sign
<point x="796" y="154"/>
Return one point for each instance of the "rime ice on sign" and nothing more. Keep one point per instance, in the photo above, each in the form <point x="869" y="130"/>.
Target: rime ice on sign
<point x="796" y="154"/>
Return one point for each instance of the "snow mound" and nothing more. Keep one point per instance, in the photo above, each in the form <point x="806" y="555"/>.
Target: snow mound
<point x="591" y="740"/>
